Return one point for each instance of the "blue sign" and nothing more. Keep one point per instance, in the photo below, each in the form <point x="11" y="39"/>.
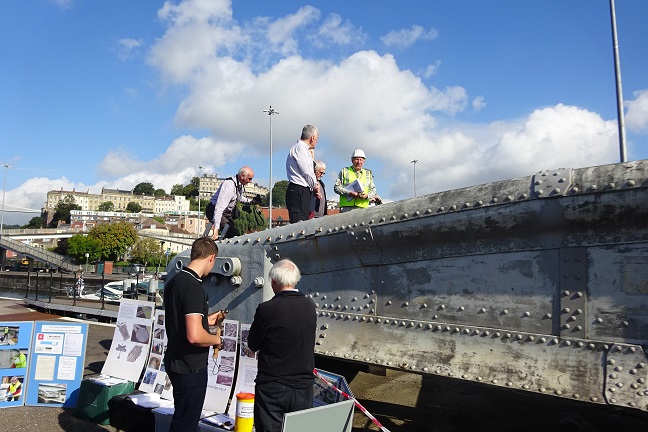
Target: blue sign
<point x="56" y="367"/>
<point x="15" y="339"/>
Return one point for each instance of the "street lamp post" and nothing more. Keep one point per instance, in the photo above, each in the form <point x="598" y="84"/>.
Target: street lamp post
<point x="414" y="161"/>
<point x="619" y="89"/>
<point x="4" y="188"/>
<point x="199" y="176"/>
<point x="86" y="266"/>
<point x="270" y="112"/>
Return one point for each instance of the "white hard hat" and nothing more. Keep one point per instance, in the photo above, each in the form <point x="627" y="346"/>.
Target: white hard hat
<point x="358" y="153"/>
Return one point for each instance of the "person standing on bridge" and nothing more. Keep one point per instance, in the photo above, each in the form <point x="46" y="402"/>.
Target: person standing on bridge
<point x="283" y="333"/>
<point x="222" y="205"/>
<point x="355" y="185"/>
<point x="302" y="183"/>
<point x="187" y="324"/>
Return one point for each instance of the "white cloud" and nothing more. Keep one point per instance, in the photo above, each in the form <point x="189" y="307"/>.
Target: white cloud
<point x="636" y="117"/>
<point x="281" y="33"/>
<point x="334" y="31"/>
<point x="431" y="69"/>
<point x="63" y="4"/>
<point x="125" y="48"/>
<point x="407" y="37"/>
<point x="478" y="103"/>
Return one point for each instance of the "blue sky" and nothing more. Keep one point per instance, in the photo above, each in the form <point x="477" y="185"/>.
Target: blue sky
<point x="110" y="94"/>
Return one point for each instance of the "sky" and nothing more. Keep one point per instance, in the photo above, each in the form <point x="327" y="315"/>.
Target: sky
<point x="114" y="93"/>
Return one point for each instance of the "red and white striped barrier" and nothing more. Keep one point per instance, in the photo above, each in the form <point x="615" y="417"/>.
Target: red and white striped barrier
<point x="355" y="401"/>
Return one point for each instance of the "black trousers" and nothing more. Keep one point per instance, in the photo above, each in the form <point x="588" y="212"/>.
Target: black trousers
<point x="273" y="400"/>
<point x="226" y="219"/>
<point x="188" y="396"/>
<point x="298" y="200"/>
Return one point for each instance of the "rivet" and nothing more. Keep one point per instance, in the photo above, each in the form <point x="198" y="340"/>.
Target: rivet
<point x="518" y="337"/>
<point x="633" y="349"/>
<point x="486" y="333"/>
<point x="507" y="335"/>
<point x="430" y="326"/>
<point x="526" y="314"/>
<point x="543" y="339"/>
<point x="559" y="392"/>
<point x="594" y="399"/>
<point x="406" y="303"/>
<point x="442" y="306"/>
<point x="482" y="310"/>
<point x="509" y="383"/>
<point x="576" y="396"/>
<point x="494" y="381"/>
<point x="631" y="183"/>
<point x="554" y="340"/>
<point x="505" y="311"/>
<point x="619" y="384"/>
<point x="614" y="376"/>
<point x="389" y="302"/>
<point x="611" y="361"/>
<point x="591" y="346"/>
<point x="424" y="305"/>
<point x="568" y="343"/>
<point x="632" y="404"/>
<point x="498" y="334"/>
<point x="566" y="310"/>
<point x="425" y="369"/>
<point x="580" y="344"/>
<point x="447" y="328"/>
<point x="479" y="378"/>
<point x="525" y="387"/>
<point x="466" y="331"/>
<point x="599" y="320"/>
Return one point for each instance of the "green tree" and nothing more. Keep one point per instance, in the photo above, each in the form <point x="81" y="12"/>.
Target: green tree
<point x="279" y="193"/>
<point x="144" y="189"/>
<point x="159" y="192"/>
<point x="133" y="207"/>
<point x="106" y="206"/>
<point x="80" y="244"/>
<point x="147" y="250"/>
<point x="34" y="223"/>
<point x="177" y="189"/>
<point x="114" y="239"/>
<point x="62" y="211"/>
<point x="190" y="191"/>
<point x="251" y="219"/>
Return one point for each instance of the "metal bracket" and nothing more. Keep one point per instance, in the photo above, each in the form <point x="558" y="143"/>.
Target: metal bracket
<point x="573" y="293"/>
<point x="552" y="182"/>
<point x="626" y="376"/>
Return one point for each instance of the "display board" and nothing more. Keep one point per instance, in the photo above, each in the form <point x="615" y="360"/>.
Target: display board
<point x="155" y="378"/>
<point x="247" y="369"/>
<point x="220" y="369"/>
<point x="15" y="342"/>
<point x="57" y="363"/>
<point x="132" y="339"/>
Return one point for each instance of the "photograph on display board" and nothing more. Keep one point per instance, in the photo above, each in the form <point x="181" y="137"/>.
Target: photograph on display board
<point x="52" y="393"/>
<point x="9" y="335"/>
<point x="12" y="388"/>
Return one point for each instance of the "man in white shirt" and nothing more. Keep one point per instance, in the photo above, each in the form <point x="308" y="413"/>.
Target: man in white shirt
<point x="302" y="181"/>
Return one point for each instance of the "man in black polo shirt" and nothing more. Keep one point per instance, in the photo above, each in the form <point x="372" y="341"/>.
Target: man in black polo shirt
<point x="187" y="325"/>
<point x="283" y="332"/>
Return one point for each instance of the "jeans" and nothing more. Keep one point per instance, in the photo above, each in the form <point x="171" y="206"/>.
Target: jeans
<point x="188" y="397"/>
<point x="273" y="400"/>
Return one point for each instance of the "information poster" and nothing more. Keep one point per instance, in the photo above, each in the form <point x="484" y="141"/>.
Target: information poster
<point x="131" y="343"/>
<point x="57" y="363"/>
<point x="15" y="341"/>
<point x="221" y="368"/>
<point x="247" y="369"/>
<point x="155" y="378"/>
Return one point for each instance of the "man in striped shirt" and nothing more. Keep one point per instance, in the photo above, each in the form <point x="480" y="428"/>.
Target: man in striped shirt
<point x="302" y="183"/>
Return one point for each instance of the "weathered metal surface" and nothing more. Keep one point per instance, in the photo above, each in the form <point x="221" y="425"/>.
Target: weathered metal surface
<point x="528" y="283"/>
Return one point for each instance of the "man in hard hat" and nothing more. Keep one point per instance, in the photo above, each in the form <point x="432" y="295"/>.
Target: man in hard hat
<point x="14" y="390"/>
<point x="355" y="185"/>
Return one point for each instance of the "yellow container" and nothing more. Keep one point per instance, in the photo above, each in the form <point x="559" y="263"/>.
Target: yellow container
<point x="244" y="412"/>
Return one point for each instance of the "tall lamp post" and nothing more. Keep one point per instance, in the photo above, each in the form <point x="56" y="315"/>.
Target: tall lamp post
<point x="4" y="188"/>
<point x="199" y="176"/>
<point x="270" y="112"/>
<point x="414" y="161"/>
<point x="619" y="90"/>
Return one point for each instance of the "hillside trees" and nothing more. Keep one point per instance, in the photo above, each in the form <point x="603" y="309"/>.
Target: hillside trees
<point x="104" y="241"/>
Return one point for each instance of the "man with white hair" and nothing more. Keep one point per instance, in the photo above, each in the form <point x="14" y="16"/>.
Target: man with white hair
<point x="318" y="205"/>
<point x="302" y="183"/>
<point x="283" y="333"/>
<point x="221" y="208"/>
<point x="355" y="184"/>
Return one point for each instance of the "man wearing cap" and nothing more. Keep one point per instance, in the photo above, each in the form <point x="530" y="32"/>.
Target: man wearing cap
<point x="355" y="184"/>
<point x="302" y="183"/>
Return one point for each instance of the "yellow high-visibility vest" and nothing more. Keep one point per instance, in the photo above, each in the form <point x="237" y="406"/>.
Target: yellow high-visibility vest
<point x="349" y="175"/>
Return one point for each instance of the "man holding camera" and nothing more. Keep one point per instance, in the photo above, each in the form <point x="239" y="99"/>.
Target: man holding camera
<point x="355" y="185"/>
<point x="221" y="210"/>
